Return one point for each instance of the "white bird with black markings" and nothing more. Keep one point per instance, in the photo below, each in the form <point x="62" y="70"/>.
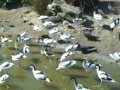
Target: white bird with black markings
<point x="47" y="52"/>
<point x="3" y="78"/>
<point x="26" y="50"/>
<point x="18" y="57"/>
<point x="78" y="86"/>
<point x="103" y="76"/>
<point x="5" y="65"/>
<point x="89" y="66"/>
<point x="72" y="48"/>
<point x="66" y="56"/>
<point x="49" y="24"/>
<point x="66" y="37"/>
<point x="24" y="37"/>
<point x="5" y="39"/>
<point x="48" y="42"/>
<point x="66" y="64"/>
<point x="115" y="23"/>
<point x="115" y="56"/>
<point x="54" y="31"/>
<point x="42" y="17"/>
<point x="39" y="75"/>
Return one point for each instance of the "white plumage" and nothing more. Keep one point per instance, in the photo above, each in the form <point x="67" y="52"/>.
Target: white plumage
<point x="66" y="64"/>
<point x="72" y="48"/>
<point x="115" y="23"/>
<point x="18" y="57"/>
<point x="47" y="41"/>
<point x="97" y="16"/>
<point x="24" y="37"/>
<point x="3" y="78"/>
<point x="66" y="56"/>
<point x="39" y="75"/>
<point x="115" y="56"/>
<point x="47" y="52"/>
<point x="89" y="66"/>
<point x="43" y="17"/>
<point x="16" y="45"/>
<point x="79" y="86"/>
<point x="49" y="24"/>
<point x="37" y="27"/>
<point x="4" y="39"/>
<point x="24" y="34"/>
<point x="6" y="65"/>
<point x="54" y="32"/>
<point x="66" y="37"/>
<point x="103" y="76"/>
<point x="26" y="50"/>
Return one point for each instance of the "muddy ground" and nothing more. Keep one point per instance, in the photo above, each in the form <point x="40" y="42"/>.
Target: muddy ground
<point x="16" y="21"/>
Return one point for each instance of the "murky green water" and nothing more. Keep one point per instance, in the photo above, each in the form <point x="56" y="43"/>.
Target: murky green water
<point x="21" y="77"/>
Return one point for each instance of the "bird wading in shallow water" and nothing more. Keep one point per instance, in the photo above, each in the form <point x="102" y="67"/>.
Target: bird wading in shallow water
<point x="5" y="65"/>
<point x="66" y="64"/>
<point x="26" y="50"/>
<point x="78" y="86"/>
<point x="4" y="39"/>
<point x="72" y="48"/>
<point x="39" y="75"/>
<point x="103" y="76"/>
<point x="3" y="78"/>
<point x="66" y="56"/>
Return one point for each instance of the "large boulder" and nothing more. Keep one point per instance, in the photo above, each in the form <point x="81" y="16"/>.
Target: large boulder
<point x="58" y="6"/>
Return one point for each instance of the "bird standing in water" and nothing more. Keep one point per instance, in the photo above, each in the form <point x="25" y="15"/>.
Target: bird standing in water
<point x="39" y="75"/>
<point x="103" y="76"/>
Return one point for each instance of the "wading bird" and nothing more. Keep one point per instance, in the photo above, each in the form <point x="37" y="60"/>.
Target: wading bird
<point x="39" y="75"/>
<point x="66" y="37"/>
<point x="115" y="56"/>
<point x="26" y="50"/>
<point x="78" y="86"/>
<point x="47" y="52"/>
<point x="115" y="23"/>
<point x="3" y="78"/>
<point x="18" y="57"/>
<point x="6" y="65"/>
<point x="48" y="42"/>
<point x="72" y="48"/>
<point x="4" y="39"/>
<point x="66" y="56"/>
<point x="66" y="64"/>
<point x="89" y="66"/>
<point x="103" y="76"/>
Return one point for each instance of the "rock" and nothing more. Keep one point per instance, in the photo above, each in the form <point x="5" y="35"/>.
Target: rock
<point x="55" y="19"/>
<point x="61" y="6"/>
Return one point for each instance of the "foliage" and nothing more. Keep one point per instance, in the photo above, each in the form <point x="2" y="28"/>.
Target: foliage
<point x="20" y="2"/>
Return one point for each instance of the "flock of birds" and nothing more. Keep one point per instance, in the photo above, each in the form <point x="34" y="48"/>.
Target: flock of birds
<point x="66" y="60"/>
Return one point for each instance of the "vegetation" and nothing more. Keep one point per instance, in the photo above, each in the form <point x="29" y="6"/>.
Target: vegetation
<point x="20" y="2"/>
